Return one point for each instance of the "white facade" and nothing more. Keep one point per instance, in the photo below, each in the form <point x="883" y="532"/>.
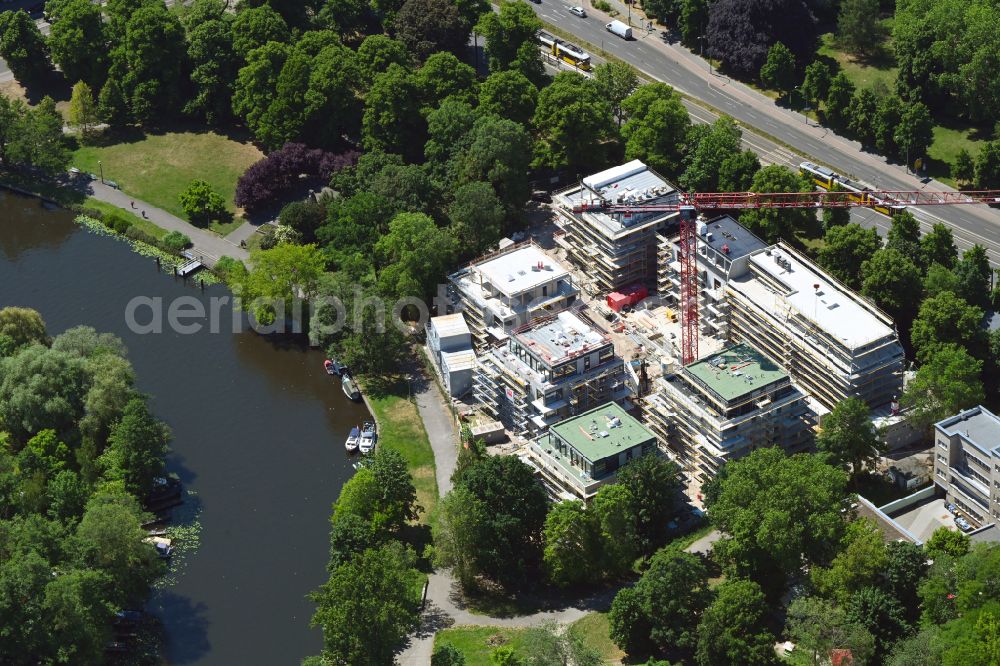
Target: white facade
<point x="449" y="343"/>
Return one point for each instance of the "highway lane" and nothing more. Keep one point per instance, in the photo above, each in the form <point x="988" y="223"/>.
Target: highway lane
<point x="673" y="64"/>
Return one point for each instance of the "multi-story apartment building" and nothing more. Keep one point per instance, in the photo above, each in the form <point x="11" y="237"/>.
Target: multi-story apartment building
<point x="577" y="456"/>
<point x="614" y="250"/>
<point x="967" y="463"/>
<point x="723" y="248"/>
<point x="832" y="342"/>
<point x="724" y="406"/>
<point x="549" y="369"/>
<point x="502" y="291"/>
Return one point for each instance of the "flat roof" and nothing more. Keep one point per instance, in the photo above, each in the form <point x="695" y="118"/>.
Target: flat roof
<point x="561" y="337"/>
<point x="978" y="425"/>
<point x="736" y="371"/>
<point x="518" y="271"/>
<point x="814" y="295"/>
<point x="602" y="432"/>
<point x="449" y="325"/>
<point x="459" y="360"/>
<point x="632" y="182"/>
<point x="729" y="237"/>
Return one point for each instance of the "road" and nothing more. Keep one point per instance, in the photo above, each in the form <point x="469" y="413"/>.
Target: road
<point x="655" y="56"/>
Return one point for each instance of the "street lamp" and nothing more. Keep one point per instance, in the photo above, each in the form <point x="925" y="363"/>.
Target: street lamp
<point x="701" y="52"/>
<point x="100" y="168"/>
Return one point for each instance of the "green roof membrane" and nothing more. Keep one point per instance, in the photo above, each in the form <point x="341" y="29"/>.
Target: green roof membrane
<point x="602" y="432"/>
<point x="736" y="371"/>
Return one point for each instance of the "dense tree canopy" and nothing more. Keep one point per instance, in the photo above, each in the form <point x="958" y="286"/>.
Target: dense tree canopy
<point x="574" y="124"/>
<point x="740" y="32"/>
<point x="656" y="128"/>
<point x="845" y="251"/>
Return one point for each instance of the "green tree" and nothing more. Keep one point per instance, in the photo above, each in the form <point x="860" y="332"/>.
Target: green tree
<point x="938" y="246"/>
<point x="975" y="277"/>
<point x="214" y="66"/>
<point x="426" y="27"/>
<point x="628" y="622"/>
<point x="860" y="562"/>
<point x="376" y="53"/>
<point x="817" y="626"/>
<point x="413" y="255"/>
<point x="654" y="485"/>
<point x="973" y="638"/>
<point x="41" y="388"/>
<point x="23" y="46"/>
<point x="887" y="118"/>
<point x="136" y="448"/>
<point x="613" y="508"/>
<point x="392" y="120"/>
<point x="508" y="94"/>
<point x="904" y="236"/>
<point x="278" y="276"/>
<point x="506" y="31"/>
<point x="737" y="172"/>
<point x="732" y="628"/>
<point x="947" y="382"/>
<point x="880" y="614"/>
<point x="202" y="204"/>
<point x="848" y="437"/>
<point x="776" y="512"/>
<point x="447" y="655"/>
<point x="674" y="593"/>
<point x="79" y="614"/>
<point x="20" y="327"/>
<point x="82" y="110"/>
<point x="774" y="224"/>
<point x="864" y="111"/>
<point x="657" y="127"/>
<point x="350" y="535"/>
<point x="443" y="75"/>
<point x="616" y="81"/>
<point x="78" y="42"/>
<point x="704" y="161"/>
<point x="367" y="606"/>
<point x="858" y="29"/>
<point x="921" y="649"/>
<point x="112" y="106"/>
<point x="905" y="568"/>
<point x="476" y="217"/>
<point x="838" y="100"/>
<point x="497" y="533"/>
<point x="988" y="166"/>
<point x="846" y="249"/>
<point x="914" y="133"/>
<point x="572" y="538"/>
<point x="948" y="318"/>
<point x="816" y="84"/>
<point x="499" y="153"/>
<point x="37" y="139"/>
<point x="894" y="283"/>
<point x="573" y="121"/>
<point x="255" y="87"/>
<point x="778" y="71"/>
<point x="254" y="27"/>
<point x="397" y="495"/>
<point x="939" y="279"/>
<point x="947" y="542"/>
<point x="963" y="169"/>
<point x="151" y="61"/>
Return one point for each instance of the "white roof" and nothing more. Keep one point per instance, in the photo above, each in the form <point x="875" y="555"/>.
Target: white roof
<point x="815" y="296"/>
<point x="516" y="272"/>
<point x="449" y="325"/>
<point x="458" y="360"/>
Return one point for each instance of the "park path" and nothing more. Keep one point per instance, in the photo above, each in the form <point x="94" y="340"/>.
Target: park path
<point x="210" y="247"/>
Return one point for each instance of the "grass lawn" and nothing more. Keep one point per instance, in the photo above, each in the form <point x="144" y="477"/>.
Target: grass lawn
<point x="863" y="74"/>
<point x="226" y="228"/>
<point x="948" y="141"/>
<point x="593" y="630"/>
<point x="477" y="643"/>
<point x="145" y="225"/>
<point x="401" y="428"/>
<point x="156" y="168"/>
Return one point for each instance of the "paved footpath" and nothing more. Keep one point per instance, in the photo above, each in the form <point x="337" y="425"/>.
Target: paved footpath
<point x="206" y="244"/>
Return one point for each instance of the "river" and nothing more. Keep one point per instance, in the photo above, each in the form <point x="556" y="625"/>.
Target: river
<point x="258" y="432"/>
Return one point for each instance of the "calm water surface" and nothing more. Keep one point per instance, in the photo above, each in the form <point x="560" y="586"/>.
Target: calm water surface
<point x="258" y="438"/>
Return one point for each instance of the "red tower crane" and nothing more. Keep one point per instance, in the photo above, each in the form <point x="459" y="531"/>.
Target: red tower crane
<point x="689" y="204"/>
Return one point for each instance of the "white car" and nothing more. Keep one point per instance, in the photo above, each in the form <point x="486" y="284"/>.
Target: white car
<point x="579" y="11"/>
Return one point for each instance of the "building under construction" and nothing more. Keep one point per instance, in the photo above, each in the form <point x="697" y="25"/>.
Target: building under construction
<point x="834" y="343"/>
<point x="724" y="406"/>
<point x="614" y="250"/>
<point x="555" y="367"/>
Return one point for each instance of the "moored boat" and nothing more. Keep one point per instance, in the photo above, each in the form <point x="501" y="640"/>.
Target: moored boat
<point x="367" y="444"/>
<point x="353" y="440"/>
<point x="350" y="388"/>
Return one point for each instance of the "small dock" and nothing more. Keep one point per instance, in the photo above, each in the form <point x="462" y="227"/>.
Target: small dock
<point x="189" y="268"/>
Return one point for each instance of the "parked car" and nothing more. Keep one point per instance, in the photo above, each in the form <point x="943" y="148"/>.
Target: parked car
<point x="111" y="183"/>
<point x="951" y="507"/>
<point x="579" y="11"/>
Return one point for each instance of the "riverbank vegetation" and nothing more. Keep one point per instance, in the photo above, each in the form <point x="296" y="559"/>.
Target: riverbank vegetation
<point x="79" y="452"/>
<point x="489" y="646"/>
<point x="372" y="598"/>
